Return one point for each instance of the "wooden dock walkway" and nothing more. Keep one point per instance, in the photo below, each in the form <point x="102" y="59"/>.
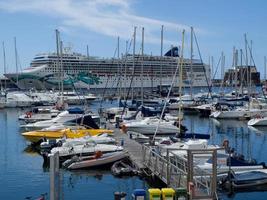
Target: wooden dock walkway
<point x="134" y="148"/>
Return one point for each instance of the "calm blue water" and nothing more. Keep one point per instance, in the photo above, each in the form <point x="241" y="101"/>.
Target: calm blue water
<point x="22" y="174"/>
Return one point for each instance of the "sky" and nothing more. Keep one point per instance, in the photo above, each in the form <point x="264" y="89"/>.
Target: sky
<point x="219" y="26"/>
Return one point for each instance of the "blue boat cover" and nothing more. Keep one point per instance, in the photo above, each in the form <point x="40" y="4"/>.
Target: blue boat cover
<point x="76" y="110"/>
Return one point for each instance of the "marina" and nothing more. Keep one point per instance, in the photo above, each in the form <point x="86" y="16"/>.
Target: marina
<point x="240" y="135"/>
<point x="133" y="100"/>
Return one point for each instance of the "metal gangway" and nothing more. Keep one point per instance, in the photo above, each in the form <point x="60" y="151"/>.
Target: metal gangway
<point x="177" y="168"/>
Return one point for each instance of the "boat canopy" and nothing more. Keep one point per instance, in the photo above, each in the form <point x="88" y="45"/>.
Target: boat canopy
<point x="76" y="110"/>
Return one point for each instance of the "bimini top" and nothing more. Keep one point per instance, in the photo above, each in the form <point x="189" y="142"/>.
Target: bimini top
<point x="76" y="110"/>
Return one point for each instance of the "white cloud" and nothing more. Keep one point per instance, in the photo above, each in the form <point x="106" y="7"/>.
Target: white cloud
<point x="107" y="17"/>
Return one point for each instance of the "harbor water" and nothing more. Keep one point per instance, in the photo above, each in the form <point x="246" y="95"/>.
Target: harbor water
<point x="22" y="173"/>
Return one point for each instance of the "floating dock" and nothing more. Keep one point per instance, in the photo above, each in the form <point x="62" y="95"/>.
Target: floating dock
<point x="173" y="170"/>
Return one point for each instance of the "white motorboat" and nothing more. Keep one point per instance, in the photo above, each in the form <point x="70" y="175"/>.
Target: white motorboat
<point x="65" y="116"/>
<point x="239" y="113"/>
<point x="205" y="109"/>
<point x="186" y="101"/>
<point x="236" y="164"/>
<point x="18" y="99"/>
<point x="258" y="121"/>
<point x="148" y="126"/>
<point x="39" y="114"/>
<point x="43" y="98"/>
<point x="98" y="139"/>
<point x="87" y="149"/>
<point x="98" y="159"/>
<point x="244" y="179"/>
<point x="72" y="98"/>
<point x="204" y="161"/>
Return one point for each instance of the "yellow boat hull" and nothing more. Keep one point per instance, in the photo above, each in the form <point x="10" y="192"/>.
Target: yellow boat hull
<point x="36" y="136"/>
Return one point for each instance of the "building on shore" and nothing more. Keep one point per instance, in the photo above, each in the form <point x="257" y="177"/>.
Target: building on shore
<point x="243" y="75"/>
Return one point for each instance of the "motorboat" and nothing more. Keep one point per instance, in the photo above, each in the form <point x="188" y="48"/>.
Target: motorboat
<point x="123" y="168"/>
<point x="88" y="149"/>
<point x="39" y="135"/>
<point x="239" y="113"/>
<point x="72" y="98"/>
<point x="205" y="109"/>
<point x="226" y="158"/>
<point x="43" y="97"/>
<point x="234" y="161"/>
<point x="98" y="139"/>
<point x="258" y="121"/>
<point x="99" y="159"/>
<point x="244" y="180"/>
<point x="18" y="99"/>
<point x="39" y="114"/>
<point x="149" y="125"/>
<point x="65" y="116"/>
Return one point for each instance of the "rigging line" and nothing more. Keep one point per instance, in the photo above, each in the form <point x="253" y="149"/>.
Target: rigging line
<point x="168" y="95"/>
<point x="123" y="64"/>
<point x="251" y="57"/>
<point x="121" y="72"/>
<point x="128" y="92"/>
<point x="121" y="67"/>
<point x="105" y="88"/>
<point x="217" y="67"/>
<point x="204" y="69"/>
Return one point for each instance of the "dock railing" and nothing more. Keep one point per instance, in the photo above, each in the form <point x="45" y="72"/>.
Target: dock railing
<point x="178" y="168"/>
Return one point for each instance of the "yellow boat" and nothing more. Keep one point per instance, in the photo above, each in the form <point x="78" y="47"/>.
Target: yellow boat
<point x="36" y="136"/>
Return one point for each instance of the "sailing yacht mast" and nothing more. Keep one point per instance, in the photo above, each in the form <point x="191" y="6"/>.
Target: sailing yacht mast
<point x="181" y="82"/>
<point x="191" y="64"/>
<point x="142" y="68"/>
<point x="61" y="69"/>
<point x="16" y="60"/>
<point x="241" y="71"/>
<point x="265" y="68"/>
<point x="161" y="54"/>
<point x="4" y="58"/>
<point x="58" y="58"/>
<point x="118" y="62"/>
<point x="125" y="71"/>
<point x="246" y="50"/>
<point x="87" y="52"/>
<point x="134" y="38"/>
<point x="235" y="64"/>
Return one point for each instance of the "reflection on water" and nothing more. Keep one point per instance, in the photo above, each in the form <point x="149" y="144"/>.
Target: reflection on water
<point x="249" y="141"/>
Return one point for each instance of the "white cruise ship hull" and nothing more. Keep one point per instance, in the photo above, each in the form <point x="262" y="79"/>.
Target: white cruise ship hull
<point x="89" y="72"/>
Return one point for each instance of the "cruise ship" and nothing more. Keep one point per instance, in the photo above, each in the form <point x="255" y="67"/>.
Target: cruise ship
<point x="47" y="70"/>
